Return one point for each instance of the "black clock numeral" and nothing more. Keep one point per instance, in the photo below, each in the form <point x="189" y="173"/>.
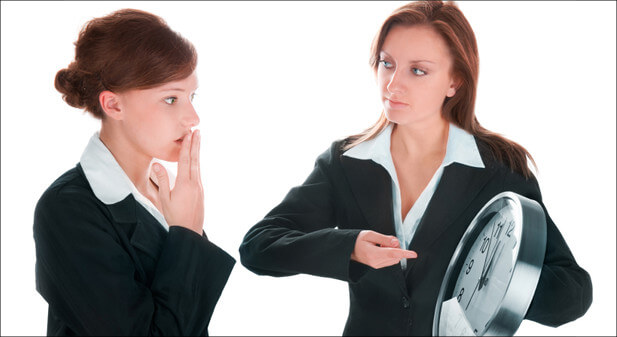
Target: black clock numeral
<point x="510" y="229"/>
<point x="469" y="267"/>
<point x="460" y="294"/>
<point x="485" y="244"/>
<point x="498" y="231"/>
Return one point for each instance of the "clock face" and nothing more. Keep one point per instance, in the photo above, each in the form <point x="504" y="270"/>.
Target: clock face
<point x="487" y="265"/>
<point x="493" y="273"/>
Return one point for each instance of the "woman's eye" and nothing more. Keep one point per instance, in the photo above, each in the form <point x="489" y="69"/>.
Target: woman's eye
<point x="193" y="96"/>
<point x="386" y="64"/>
<point x="170" y="100"/>
<point x="418" y="72"/>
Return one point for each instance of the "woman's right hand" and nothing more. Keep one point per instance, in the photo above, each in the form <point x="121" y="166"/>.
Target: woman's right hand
<point x="184" y="205"/>
<point x="378" y="250"/>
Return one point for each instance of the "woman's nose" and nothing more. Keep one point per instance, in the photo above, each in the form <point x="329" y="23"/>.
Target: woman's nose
<point x="191" y="119"/>
<point x="394" y="83"/>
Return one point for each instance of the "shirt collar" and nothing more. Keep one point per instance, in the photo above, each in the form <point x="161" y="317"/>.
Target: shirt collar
<point x="108" y="181"/>
<point x="461" y="148"/>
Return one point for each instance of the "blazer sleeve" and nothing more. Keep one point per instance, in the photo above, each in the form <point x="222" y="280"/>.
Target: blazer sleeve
<point x="564" y="291"/>
<point x="88" y="277"/>
<point x="299" y="235"/>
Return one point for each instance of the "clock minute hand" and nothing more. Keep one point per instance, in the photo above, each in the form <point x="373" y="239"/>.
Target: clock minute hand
<point x="485" y="271"/>
<point x="474" y="292"/>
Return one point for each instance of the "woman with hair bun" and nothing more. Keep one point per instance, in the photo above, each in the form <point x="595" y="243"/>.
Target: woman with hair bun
<point x="120" y="245"/>
<point x="384" y="210"/>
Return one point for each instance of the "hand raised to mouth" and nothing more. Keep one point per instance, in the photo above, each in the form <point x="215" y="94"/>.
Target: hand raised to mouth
<point x="184" y="205"/>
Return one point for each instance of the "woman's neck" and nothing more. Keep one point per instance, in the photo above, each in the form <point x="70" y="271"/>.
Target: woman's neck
<point x="428" y="138"/>
<point x="135" y="164"/>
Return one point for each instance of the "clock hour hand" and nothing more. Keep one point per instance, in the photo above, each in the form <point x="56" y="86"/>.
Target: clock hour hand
<point x="483" y="277"/>
<point x="488" y="251"/>
<point x="498" y="226"/>
<point x="487" y="263"/>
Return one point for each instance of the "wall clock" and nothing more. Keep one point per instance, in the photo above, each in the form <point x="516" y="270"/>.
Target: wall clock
<point x="493" y="274"/>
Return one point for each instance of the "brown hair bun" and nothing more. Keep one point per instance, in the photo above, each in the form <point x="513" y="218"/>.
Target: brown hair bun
<point x="127" y="49"/>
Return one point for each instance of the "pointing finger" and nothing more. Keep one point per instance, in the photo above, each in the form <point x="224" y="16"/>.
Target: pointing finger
<point x="396" y="253"/>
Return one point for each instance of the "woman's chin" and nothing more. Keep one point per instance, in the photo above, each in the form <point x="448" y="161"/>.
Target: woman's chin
<point x="397" y="117"/>
<point x="172" y="156"/>
<point x="408" y="117"/>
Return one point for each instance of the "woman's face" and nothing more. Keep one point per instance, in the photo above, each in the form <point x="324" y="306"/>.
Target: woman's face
<point x="414" y="74"/>
<point x="155" y="120"/>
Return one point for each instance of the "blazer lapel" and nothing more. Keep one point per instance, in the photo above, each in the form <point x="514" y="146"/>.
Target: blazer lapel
<point x="371" y="185"/>
<point x="458" y="186"/>
<point x="128" y="212"/>
<point x="149" y="235"/>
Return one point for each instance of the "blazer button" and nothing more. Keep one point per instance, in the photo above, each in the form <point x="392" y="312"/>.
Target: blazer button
<point x="405" y="303"/>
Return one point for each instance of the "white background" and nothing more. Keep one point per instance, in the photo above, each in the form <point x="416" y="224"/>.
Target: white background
<point x="279" y="81"/>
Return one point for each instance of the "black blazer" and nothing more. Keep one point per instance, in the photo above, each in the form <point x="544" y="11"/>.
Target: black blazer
<point x="114" y="270"/>
<point x="314" y="229"/>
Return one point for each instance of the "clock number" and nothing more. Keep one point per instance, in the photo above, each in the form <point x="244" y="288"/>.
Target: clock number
<point x="469" y="267"/>
<point x="498" y="231"/>
<point x="485" y="244"/>
<point x="460" y="294"/>
<point x="510" y="229"/>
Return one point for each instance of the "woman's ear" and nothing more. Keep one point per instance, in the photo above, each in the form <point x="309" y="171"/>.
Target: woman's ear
<point x="455" y="84"/>
<point x="110" y="102"/>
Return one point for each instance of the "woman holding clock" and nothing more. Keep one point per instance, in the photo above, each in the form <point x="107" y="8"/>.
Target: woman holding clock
<point x="118" y="250"/>
<point x="384" y="210"/>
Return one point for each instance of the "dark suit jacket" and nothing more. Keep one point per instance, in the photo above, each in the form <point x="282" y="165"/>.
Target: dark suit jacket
<point x="314" y="229"/>
<point x="114" y="270"/>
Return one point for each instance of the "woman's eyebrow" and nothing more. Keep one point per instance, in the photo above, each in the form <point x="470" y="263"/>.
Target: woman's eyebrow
<point x="418" y="61"/>
<point x="410" y="62"/>
<point x="172" y="89"/>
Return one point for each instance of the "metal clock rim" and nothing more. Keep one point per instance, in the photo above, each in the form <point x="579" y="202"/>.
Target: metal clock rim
<point x="528" y="265"/>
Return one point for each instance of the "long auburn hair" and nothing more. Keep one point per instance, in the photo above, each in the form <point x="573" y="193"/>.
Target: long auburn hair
<point x="450" y="23"/>
<point x="127" y="49"/>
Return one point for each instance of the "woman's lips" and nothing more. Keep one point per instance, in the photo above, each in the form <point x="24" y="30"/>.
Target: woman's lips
<point x="179" y="140"/>
<point x="395" y="104"/>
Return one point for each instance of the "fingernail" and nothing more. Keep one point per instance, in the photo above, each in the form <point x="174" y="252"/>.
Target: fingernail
<point x="156" y="168"/>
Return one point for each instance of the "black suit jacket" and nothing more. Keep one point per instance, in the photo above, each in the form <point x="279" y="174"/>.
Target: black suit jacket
<point x="314" y="229"/>
<point x="114" y="270"/>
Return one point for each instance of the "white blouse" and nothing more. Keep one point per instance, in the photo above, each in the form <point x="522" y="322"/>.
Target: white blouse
<point x="109" y="182"/>
<point x="461" y="148"/>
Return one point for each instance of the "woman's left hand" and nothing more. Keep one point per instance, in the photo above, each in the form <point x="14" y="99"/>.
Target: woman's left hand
<point x="184" y="205"/>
